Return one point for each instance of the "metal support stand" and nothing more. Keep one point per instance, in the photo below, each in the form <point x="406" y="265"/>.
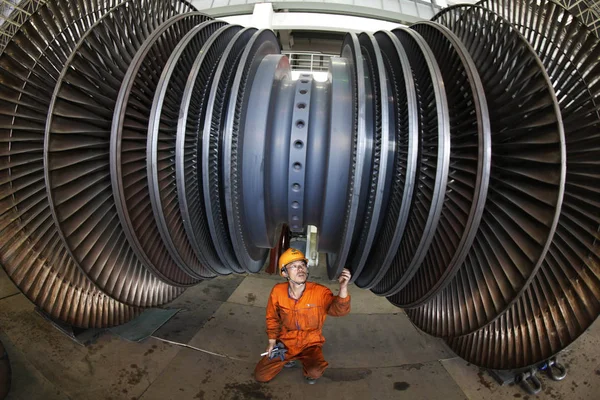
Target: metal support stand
<point x="312" y="251"/>
<point x="527" y="377"/>
<point x="306" y="242"/>
<point x="136" y="330"/>
<point x="81" y="336"/>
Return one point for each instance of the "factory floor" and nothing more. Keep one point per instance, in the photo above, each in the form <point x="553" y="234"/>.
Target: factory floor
<point x="373" y="353"/>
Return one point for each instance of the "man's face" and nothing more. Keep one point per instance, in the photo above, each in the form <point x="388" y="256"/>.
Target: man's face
<point x="297" y="271"/>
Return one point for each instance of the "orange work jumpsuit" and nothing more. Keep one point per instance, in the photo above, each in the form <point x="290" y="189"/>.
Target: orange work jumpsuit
<point x="298" y="325"/>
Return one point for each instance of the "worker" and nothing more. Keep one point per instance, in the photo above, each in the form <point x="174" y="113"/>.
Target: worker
<point x="296" y="312"/>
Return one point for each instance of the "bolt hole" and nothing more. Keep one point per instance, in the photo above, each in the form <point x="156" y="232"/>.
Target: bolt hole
<point x="297" y="166"/>
<point x="301" y="106"/>
<point x="304" y="80"/>
<point x="295" y="218"/>
<point x="298" y="144"/>
<point x="295" y="204"/>
<point x="303" y="91"/>
<point x="300" y="124"/>
<point x="296" y="187"/>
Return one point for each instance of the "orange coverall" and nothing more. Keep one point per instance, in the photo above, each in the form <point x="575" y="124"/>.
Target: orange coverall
<point x="298" y="325"/>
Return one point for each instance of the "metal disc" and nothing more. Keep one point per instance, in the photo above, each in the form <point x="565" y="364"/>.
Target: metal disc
<point x="261" y="151"/>
<point x="433" y="165"/>
<point x="470" y="160"/>
<point x="76" y="155"/>
<point x="563" y="299"/>
<point x="32" y="253"/>
<point x="128" y="149"/>
<point x="336" y="261"/>
<point x="403" y="122"/>
<point x="338" y="171"/>
<point x="212" y="148"/>
<point x="526" y="179"/>
<point x="160" y="157"/>
<point x="379" y="163"/>
<point x="250" y="257"/>
<point x="189" y="147"/>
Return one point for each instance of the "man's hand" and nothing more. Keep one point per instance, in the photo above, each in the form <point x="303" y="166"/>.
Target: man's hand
<point x="272" y="343"/>
<point x="343" y="280"/>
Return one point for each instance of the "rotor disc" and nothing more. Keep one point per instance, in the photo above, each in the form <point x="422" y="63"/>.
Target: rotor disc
<point x="404" y="122"/>
<point x="336" y="261"/>
<point x="379" y="161"/>
<point x="160" y="158"/>
<point x="250" y="257"/>
<point x="526" y="179"/>
<point x="77" y="163"/>
<point x="33" y="255"/>
<point x="189" y="147"/>
<point x="468" y="178"/>
<point x="433" y="163"/>
<point x="128" y="150"/>
<point x="563" y="299"/>
<point x="212" y="149"/>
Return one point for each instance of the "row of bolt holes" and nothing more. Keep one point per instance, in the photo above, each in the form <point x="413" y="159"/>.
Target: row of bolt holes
<point x="298" y="144"/>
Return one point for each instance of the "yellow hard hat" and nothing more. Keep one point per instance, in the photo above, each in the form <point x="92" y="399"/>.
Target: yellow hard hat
<point x="290" y="255"/>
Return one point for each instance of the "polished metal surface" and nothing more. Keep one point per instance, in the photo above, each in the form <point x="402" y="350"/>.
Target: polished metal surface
<point x="359" y="150"/>
<point x="526" y="179"/>
<point x="212" y="148"/>
<point x="469" y="172"/>
<point x="564" y="297"/>
<point x="379" y="160"/>
<point x="434" y="157"/>
<point x="189" y="148"/>
<point x="250" y="256"/>
<point x="399" y="189"/>
<point x="160" y="158"/>
<point x="31" y="250"/>
<point x="130" y="137"/>
<point x="452" y="166"/>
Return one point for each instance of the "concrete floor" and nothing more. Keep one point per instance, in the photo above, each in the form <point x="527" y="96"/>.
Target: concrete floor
<point x="374" y="353"/>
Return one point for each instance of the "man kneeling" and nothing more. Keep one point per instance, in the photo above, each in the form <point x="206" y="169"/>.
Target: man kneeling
<point x="295" y="315"/>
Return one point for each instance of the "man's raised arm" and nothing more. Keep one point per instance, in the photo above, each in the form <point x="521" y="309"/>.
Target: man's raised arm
<point x="340" y="304"/>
